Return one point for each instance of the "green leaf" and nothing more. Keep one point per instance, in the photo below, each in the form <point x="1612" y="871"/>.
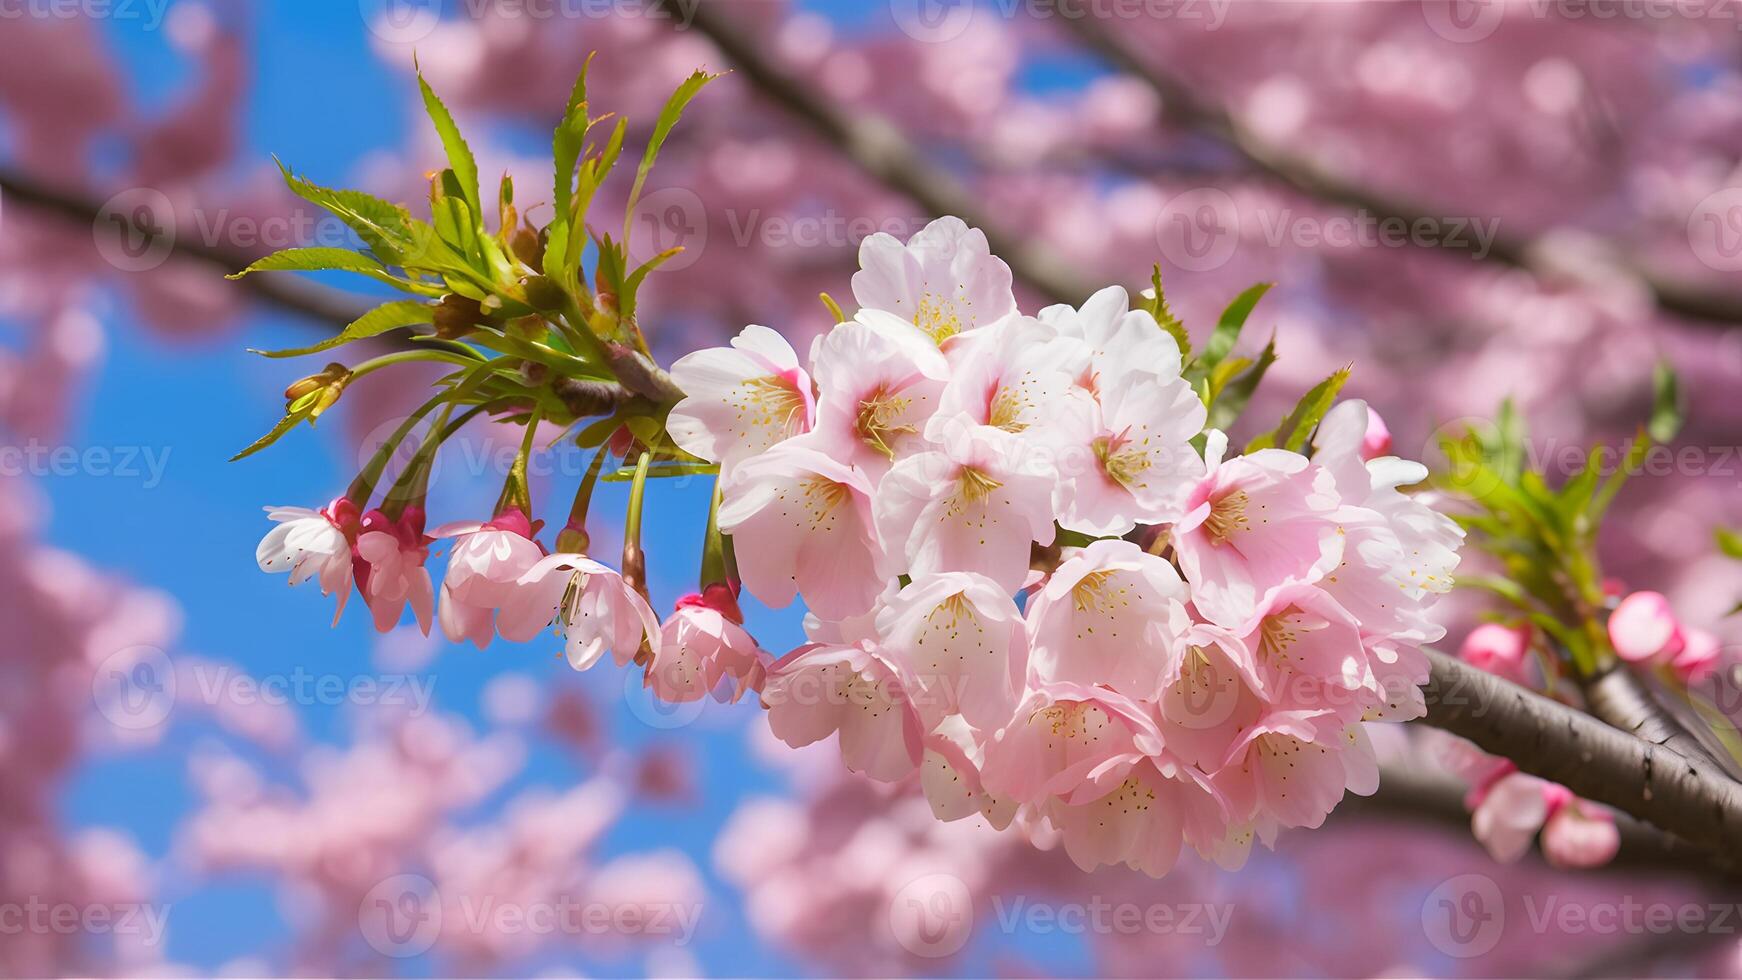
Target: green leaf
<point x="570" y="139"/>
<point x="1227" y="331"/>
<point x="284" y="425"/>
<point x="314" y="260"/>
<point x="460" y="157"/>
<point x="1228" y="403"/>
<point x="1298" y="427"/>
<point x="1729" y="542"/>
<point x="668" y="118"/>
<point x="1164" y="318"/>
<point x="632" y="285"/>
<point x="388" y="316"/>
<point x="1666" y="410"/>
<point x="383" y="226"/>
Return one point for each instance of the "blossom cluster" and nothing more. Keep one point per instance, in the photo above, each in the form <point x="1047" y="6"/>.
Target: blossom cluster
<point x="1035" y="577"/>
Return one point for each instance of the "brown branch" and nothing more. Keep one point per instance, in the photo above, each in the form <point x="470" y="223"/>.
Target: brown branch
<point x="1537" y="256"/>
<point x="1689" y="798"/>
<point x="882" y="152"/>
<point x="1618" y="697"/>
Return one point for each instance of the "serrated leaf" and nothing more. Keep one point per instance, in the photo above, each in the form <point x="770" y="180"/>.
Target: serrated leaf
<point x="284" y="425"/>
<point x="388" y="316"/>
<point x="382" y="225"/>
<point x="1231" y="400"/>
<point x="1666" y="409"/>
<point x="313" y="260"/>
<point x="570" y="139"/>
<point x="460" y="159"/>
<point x="632" y="285"/>
<point x="1298" y="427"/>
<point x="668" y="118"/>
<point x="1227" y="332"/>
<point x="1164" y="318"/>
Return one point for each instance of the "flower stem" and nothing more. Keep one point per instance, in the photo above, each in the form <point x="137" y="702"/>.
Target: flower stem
<point x="714" y="560"/>
<point x="577" y="540"/>
<point x="634" y="559"/>
<point x="363" y="487"/>
<point x="515" y="492"/>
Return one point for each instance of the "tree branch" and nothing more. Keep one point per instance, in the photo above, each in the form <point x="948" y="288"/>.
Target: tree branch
<point x="1688" y="798"/>
<point x="880" y="150"/>
<point x="1686" y="300"/>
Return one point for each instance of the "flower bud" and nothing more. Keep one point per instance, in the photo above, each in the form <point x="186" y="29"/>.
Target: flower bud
<point x="317" y="392"/>
<point x="456" y="316"/>
<point x="528" y="246"/>
<point x="1643" y="627"/>
<point x="543" y="293"/>
<point x="1500" y="650"/>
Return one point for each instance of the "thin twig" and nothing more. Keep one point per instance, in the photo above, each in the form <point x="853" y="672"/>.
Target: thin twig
<point x="879" y="149"/>
<point x="1187" y="109"/>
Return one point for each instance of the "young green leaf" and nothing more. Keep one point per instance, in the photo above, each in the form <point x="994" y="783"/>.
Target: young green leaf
<point x="388" y="316"/>
<point x="1230" y="401"/>
<point x="1729" y="542"/>
<point x="284" y="425"/>
<point x="1666" y="410"/>
<point x="1298" y="427"/>
<point x="1164" y="318"/>
<point x="569" y="141"/>
<point x="383" y="226"/>
<point x="460" y="157"/>
<point x="668" y="118"/>
<point x="1227" y="332"/>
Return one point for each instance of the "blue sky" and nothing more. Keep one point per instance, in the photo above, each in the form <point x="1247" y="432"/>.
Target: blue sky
<point x="321" y="100"/>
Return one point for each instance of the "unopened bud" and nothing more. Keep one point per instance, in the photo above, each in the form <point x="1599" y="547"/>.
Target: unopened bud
<point x="527" y="247"/>
<point x="572" y="540"/>
<point x="317" y="392"/>
<point x="542" y="293"/>
<point x="456" y="316"/>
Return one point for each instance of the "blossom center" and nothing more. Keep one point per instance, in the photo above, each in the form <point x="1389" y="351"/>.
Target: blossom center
<point x="1122" y="460"/>
<point x="821" y="497"/>
<point x="770" y="401"/>
<point x="937" y="316"/>
<point x="1006" y="409"/>
<point x="1100" y="592"/>
<point x="1227" y="517"/>
<point x="880" y="420"/>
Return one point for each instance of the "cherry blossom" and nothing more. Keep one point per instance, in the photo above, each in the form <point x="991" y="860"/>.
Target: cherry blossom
<point x="702" y="644"/>
<point x="944" y="280"/>
<point x="1112" y="614"/>
<point x="484" y="569"/>
<point x="1127" y="456"/>
<point x="312" y="544"/>
<point x="961" y="639"/>
<point x="855" y="690"/>
<point x="389" y="568"/>
<point x="590" y="604"/>
<point x="740" y="400"/>
<point x="1254" y="525"/>
<point x="876" y="389"/>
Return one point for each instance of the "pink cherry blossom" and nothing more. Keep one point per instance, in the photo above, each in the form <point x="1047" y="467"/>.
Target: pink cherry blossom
<point x="1501" y="650"/>
<point x="802" y="523"/>
<point x="484" y="569"/>
<point x="1309" y="653"/>
<point x="312" y="544"/>
<point x="1214" y="696"/>
<point x="702" y="644"/>
<point x="390" y="570"/>
<point x="1578" y="834"/>
<point x="1071" y="741"/>
<point x="740" y="400"/>
<point x="944" y="280"/>
<point x="1701" y="655"/>
<point x="1142" y="821"/>
<point x="1289" y="768"/>
<point x="591" y="605"/>
<point x="1256" y="524"/>
<point x="1376" y="441"/>
<point x="961" y="639"/>
<point x="1644" y="627"/>
<point x="968" y="507"/>
<point x="856" y="690"/>
<point x="1112" y="614"/>
<point x="949" y="776"/>
<point x="878" y="381"/>
<point x="1113" y="343"/>
<point x="1009" y="377"/>
<point x="1126" y="456"/>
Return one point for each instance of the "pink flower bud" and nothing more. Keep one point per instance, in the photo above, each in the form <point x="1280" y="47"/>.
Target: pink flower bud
<point x="1579" y="835"/>
<point x="1377" y="441"/>
<point x="1500" y="650"/>
<point x="1699" y="657"/>
<point x="1643" y="626"/>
